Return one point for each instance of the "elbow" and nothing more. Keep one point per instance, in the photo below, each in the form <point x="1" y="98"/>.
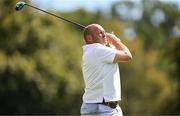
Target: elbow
<point x="127" y="58"/>
<point x="123" y="57"/>
<point x="130" y="57"/>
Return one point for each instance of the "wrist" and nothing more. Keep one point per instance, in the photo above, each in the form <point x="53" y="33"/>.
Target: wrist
<point x="116" y="40"/>
<point x="112" y="38"/>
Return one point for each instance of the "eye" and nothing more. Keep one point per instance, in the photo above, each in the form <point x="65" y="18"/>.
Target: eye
<point x="102" y="33"/>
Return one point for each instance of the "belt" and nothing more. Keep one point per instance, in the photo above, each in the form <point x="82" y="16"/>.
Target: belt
<point x="112" y="104"/>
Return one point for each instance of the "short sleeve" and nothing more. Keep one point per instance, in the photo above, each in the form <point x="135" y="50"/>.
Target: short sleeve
<point x="105" y="54"/>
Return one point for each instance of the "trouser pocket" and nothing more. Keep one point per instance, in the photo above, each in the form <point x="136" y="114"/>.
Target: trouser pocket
<point x="89" y="108"/>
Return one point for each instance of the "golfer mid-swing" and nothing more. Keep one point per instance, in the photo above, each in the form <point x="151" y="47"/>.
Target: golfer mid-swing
<point x="101" y="72"/>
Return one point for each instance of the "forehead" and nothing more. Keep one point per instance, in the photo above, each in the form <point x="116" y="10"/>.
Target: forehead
<point x="98" y="27"/>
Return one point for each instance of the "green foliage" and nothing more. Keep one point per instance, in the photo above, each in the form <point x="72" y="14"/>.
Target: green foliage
<point x="40" y="61"/>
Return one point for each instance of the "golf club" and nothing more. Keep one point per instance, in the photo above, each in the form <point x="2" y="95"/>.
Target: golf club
<point x="20" y="5"/>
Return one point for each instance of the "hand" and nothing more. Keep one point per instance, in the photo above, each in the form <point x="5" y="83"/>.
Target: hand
<point x="112" y="38"/>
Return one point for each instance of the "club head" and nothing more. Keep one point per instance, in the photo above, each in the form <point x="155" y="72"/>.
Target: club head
<point x="20" y="5"/>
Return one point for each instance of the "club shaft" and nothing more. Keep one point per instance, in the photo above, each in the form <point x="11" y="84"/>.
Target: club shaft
<point x="74" y="23"/>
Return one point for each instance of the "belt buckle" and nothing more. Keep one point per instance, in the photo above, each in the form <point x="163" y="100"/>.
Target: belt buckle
<point x="112" y="104"/>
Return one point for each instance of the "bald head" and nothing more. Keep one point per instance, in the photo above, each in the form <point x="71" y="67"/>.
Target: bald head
<point x="90" y="29"/>
<point x="94" y="33"/>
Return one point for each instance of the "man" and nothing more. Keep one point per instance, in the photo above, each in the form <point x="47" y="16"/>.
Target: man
<point x="101" y="72"/>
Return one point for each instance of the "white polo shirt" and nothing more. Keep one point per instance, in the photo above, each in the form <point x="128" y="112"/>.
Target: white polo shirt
<point x="101" y="75"/>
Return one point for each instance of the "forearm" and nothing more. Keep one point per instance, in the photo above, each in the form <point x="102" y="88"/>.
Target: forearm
<point x="123" y="53"/>
<point x="120" y="46"/>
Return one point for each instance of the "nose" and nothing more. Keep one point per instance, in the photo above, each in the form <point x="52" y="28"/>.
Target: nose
<point x="104" y="35"/>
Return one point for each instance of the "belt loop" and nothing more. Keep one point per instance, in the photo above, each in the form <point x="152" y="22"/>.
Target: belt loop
<point x="104" y="100"/>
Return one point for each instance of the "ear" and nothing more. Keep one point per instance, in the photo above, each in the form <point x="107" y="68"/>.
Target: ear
<point x="89" y="39"/>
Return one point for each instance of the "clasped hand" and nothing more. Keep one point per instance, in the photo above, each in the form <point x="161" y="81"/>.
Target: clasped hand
<point x="112" y="38"/>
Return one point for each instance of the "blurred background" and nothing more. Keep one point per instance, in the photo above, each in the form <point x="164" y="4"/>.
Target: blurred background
<point x="40" y="56"/>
